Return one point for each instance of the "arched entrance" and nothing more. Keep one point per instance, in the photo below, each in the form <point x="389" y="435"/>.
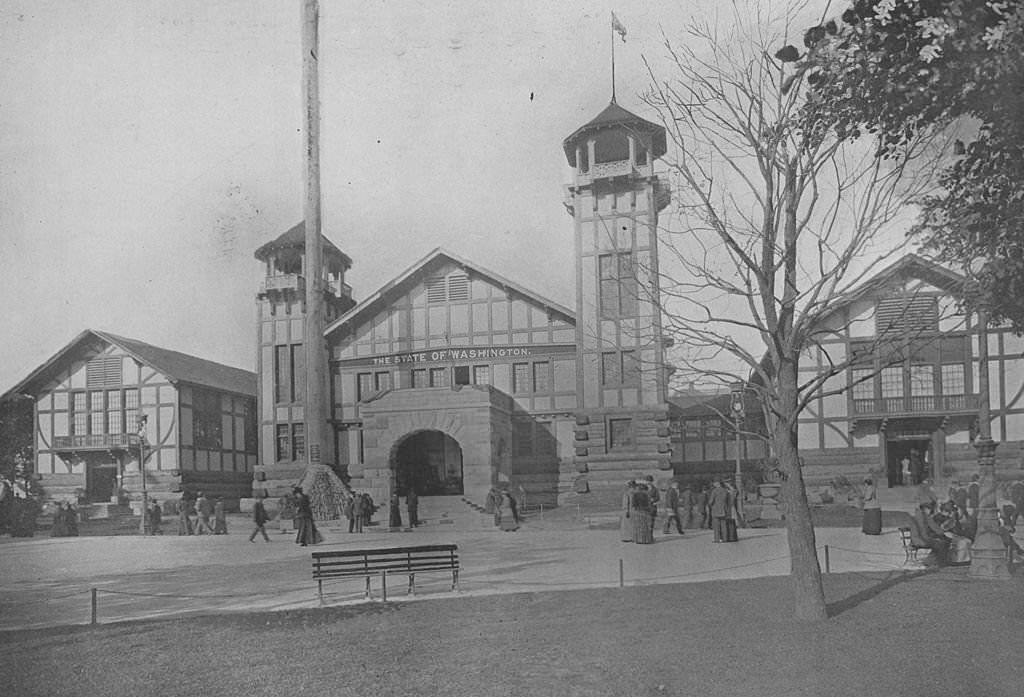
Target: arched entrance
<point x="430" y="462"/>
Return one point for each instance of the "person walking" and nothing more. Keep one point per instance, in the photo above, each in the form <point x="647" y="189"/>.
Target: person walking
<point x="259" y="520"/>
<point x="718" y="508"/>
<point x="872" y="523"/>
<point x="412" y="505"/>
<point x="204" y="509"/>
<point x="184" y="507"/>
<point x="307" y="533"/>
<point x="732" y="515"/>
<point x="701" y="517"/>
<point x="653" y="496"/>
<point x="625" y="522"/>
<point x="285" y="512"/>
<point x="686" y="502"/>
<point x="672" y="508"/>
<point x="507" y="519"/>
<point x="220" y="520"/>
<point x="640" y="515"/>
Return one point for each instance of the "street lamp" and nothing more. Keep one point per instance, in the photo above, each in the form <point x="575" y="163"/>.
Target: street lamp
<point x="146" y="528"/>
<point x="988" y="556"/>
<point x="736" y="406"/>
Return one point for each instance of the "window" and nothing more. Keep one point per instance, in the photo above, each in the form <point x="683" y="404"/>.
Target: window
<point x="618" y="287"/>
<point x="97" y="415"/>
<point x="461" y="374"/>
<point x="892" y="382"/>
<point x="364" y="386"/>
<point x="298" y="373"/>
<point x="611" y="146"/>
<point x="115" y="415"/>
<point x="420" y="378"/>
<point x="298" y="441"/>
<point x="381" y="381"/>
<point x="620" y="434"/>
<point x="282" y="374"/>
<point x="620" y="368"/>
<point x="953" y="382"/>
<point x="922" y="380"/>
<point x="439" y="377"/>
<point x="283" y="442"/>
<point x="713" y="429"/>
<point x="481" y="375"/>
<point x="520" y="378"/>
<point x="542" y="376"/>
<point x="250" y="438"/>
<point x="206" y="420"/>
<point x="692" y="429"/>
<point x="863" y="383"/>
<point x="131" y="408"/>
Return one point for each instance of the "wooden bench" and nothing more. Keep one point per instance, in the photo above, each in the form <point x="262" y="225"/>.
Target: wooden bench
<point x="366" y="563"/>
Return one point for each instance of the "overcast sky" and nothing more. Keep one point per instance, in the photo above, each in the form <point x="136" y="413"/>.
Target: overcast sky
<point x="148" y="147"/>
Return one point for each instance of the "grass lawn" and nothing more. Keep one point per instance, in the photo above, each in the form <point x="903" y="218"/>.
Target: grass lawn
<point x="924" y="633"/>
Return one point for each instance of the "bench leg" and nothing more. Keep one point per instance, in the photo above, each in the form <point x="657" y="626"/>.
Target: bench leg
<point x="455" y="580"/>
<point x="412" y="585"/>
<point x="368" y="594"/>
<point x="320" y="590"/>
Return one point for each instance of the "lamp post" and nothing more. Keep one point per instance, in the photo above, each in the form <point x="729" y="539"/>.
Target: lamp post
<point x="736" y="406"/>
<point x="146" y="528"/>
<point x="988" y="554"/>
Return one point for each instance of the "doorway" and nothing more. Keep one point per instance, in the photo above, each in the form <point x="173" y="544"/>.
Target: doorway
<point x="430" y="462"/>
<point x="908" y="461"/>
<point x="100" y="481"/>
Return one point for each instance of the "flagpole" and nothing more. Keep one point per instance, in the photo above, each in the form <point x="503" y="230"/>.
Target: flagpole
<point x="613" y="57"/>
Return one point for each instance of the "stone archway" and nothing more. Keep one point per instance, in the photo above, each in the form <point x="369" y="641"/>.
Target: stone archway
<point x="428" y="461"/>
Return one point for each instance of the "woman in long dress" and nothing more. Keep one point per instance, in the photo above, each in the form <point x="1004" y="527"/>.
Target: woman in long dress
<point x="625" y="524"/>
<point x="308" y="534"/>
<point x="872" y="524"/>
<point x="643" y="523"/>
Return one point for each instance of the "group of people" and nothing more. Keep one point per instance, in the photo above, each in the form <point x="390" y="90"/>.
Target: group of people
<point x="948" y="527"/>
<point x="717" y="507"/>
<point x="412" y="507"/>
<point x="503" y="505"/>
<point x="196" y="516"/>
<point x="65" y="521"/>
<point x="359" y="509"/>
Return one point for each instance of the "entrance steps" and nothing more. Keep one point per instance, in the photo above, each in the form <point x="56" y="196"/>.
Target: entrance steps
<point x="451" y="512"/>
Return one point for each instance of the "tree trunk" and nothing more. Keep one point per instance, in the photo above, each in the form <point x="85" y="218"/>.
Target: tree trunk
<point x="809" y="595"/>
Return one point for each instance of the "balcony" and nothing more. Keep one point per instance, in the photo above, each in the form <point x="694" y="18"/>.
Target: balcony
<point x="97" y="441"/>
<point x="930" y="405"/>
<point x="289" y="282"/>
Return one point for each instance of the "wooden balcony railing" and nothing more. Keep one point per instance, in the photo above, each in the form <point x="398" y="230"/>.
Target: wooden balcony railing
<point x="95" y="441"/>
<point x="929" y="404"/>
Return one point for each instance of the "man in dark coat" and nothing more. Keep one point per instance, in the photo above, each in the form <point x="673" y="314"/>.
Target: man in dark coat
<point x="204" y="507"/>
<point x="259" y="519"/>
<point x="718" y="505"/>
<point x="412" y="504"/>
<point x="672" y="512"/>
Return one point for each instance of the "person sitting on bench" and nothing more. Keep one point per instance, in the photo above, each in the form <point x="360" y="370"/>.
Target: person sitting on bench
<point x="927" y="533"/>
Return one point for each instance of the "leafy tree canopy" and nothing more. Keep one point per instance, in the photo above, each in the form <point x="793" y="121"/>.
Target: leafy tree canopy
<point x="893" y="67"/>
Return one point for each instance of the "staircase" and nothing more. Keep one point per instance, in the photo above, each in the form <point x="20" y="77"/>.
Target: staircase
<point x="452" y="513"/>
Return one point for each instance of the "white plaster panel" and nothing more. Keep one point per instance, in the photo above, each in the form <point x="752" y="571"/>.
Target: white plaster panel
<point x="649" y="372"/>
<point x="643" y="233"/>
<point x="807" y="435"/>
<point x="624" y="201"/>
<point x="169" y="458"/>
<point x="630" y="397"/>
<point x="520" y="314"/>
<point x="148" y="395"/>
<point x="266" y="332"/>
<point x="642" y="201"/>
<point x="78" y="374"/>
<point x="834" y="405"/>
<point x="460" y="319"/>
<point x="186" y="427"/>
<point x="419" y="322"/>
<point x="297" y="330"/>
<point x="60" y="424"/>
<point x="862" y="319"/>
<point x="44" y="433"/>
<point x="591" y="380"/>
<point x="1013" y="378"/>
<point x="538" y="317"/>
<point x="623" y="233"/>
<point x="45" y="402"/>
<point x="499" y="316"/>
<point x="610" y="398"/>
<point x="565" y="402"/>
<point x="481" y="318"/>
<point x="960" y="437"/>
<point x="834" y="434"/>
<point x="950" y="318"/>
<point x="1013" y="345"/>
<point x="437" y="320"/>
<point x="266" y="381"/>
<point x="997" y="430"/>
<point x="281" y="331"/>
<point x="604" y="204"/>
<point x="609" y="337"/>
<point x="564" y="336"/>
<point x="479" y="288"/>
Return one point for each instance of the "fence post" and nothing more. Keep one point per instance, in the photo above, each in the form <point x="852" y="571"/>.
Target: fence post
<point x="622" y="575"/>
<point x="92" y="619"/>
<point x="384" y="585"/>
<point x="828" y="565"/>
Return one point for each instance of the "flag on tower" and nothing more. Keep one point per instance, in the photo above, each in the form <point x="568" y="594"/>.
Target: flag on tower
<point x="619" y="27"/>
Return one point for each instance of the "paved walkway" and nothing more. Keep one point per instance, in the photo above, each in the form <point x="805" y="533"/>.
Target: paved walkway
<point x="48" y="581"/>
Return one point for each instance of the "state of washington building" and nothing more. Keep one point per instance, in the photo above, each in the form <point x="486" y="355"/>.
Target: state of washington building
<point x="451" y="379"/>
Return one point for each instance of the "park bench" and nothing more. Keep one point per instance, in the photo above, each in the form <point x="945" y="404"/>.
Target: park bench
<point x="909" y="548"/>
<point x="366" y="563"/>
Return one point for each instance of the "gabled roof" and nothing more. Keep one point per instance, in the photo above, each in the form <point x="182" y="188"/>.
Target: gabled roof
<point x="295" y="238"/>
<point x="907" y="267"/>
<point x="438" y="257"/>
<point x="177" y="367"/>
<point x="615" y="115"/>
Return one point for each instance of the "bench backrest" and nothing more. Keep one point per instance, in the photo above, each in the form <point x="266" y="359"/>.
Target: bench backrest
<point x="354" y="562"/>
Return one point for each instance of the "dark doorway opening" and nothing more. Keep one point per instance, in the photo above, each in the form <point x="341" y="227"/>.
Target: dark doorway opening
<point x="429" y="462"/>
<point x="100" y="481"/>
<point x="908" y="461"/>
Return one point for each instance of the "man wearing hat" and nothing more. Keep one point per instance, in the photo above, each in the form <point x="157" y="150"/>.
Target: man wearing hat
<point x="672" y="500"/>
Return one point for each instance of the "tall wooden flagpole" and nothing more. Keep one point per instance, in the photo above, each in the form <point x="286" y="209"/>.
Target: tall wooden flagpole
<point x="316" y="358"/>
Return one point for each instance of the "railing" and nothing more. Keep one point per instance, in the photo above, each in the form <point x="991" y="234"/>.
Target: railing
<point x="95" y="440"/>
<point x="610" y="169"/>
<point x="289" y="281"/>
<point x="918" y="404"/>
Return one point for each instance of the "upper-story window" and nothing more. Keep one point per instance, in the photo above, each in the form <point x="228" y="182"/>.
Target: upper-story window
<point x="451" y="288"/>
<point x="207" y="423"/>
<point x="618" y="286"/>
<point x="906" y="317"/>
<point x="611" y="146"/>
<point x="104" y="412"/>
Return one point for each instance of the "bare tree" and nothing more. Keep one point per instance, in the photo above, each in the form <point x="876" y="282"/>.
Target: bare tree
<point x="776" y="218"/>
